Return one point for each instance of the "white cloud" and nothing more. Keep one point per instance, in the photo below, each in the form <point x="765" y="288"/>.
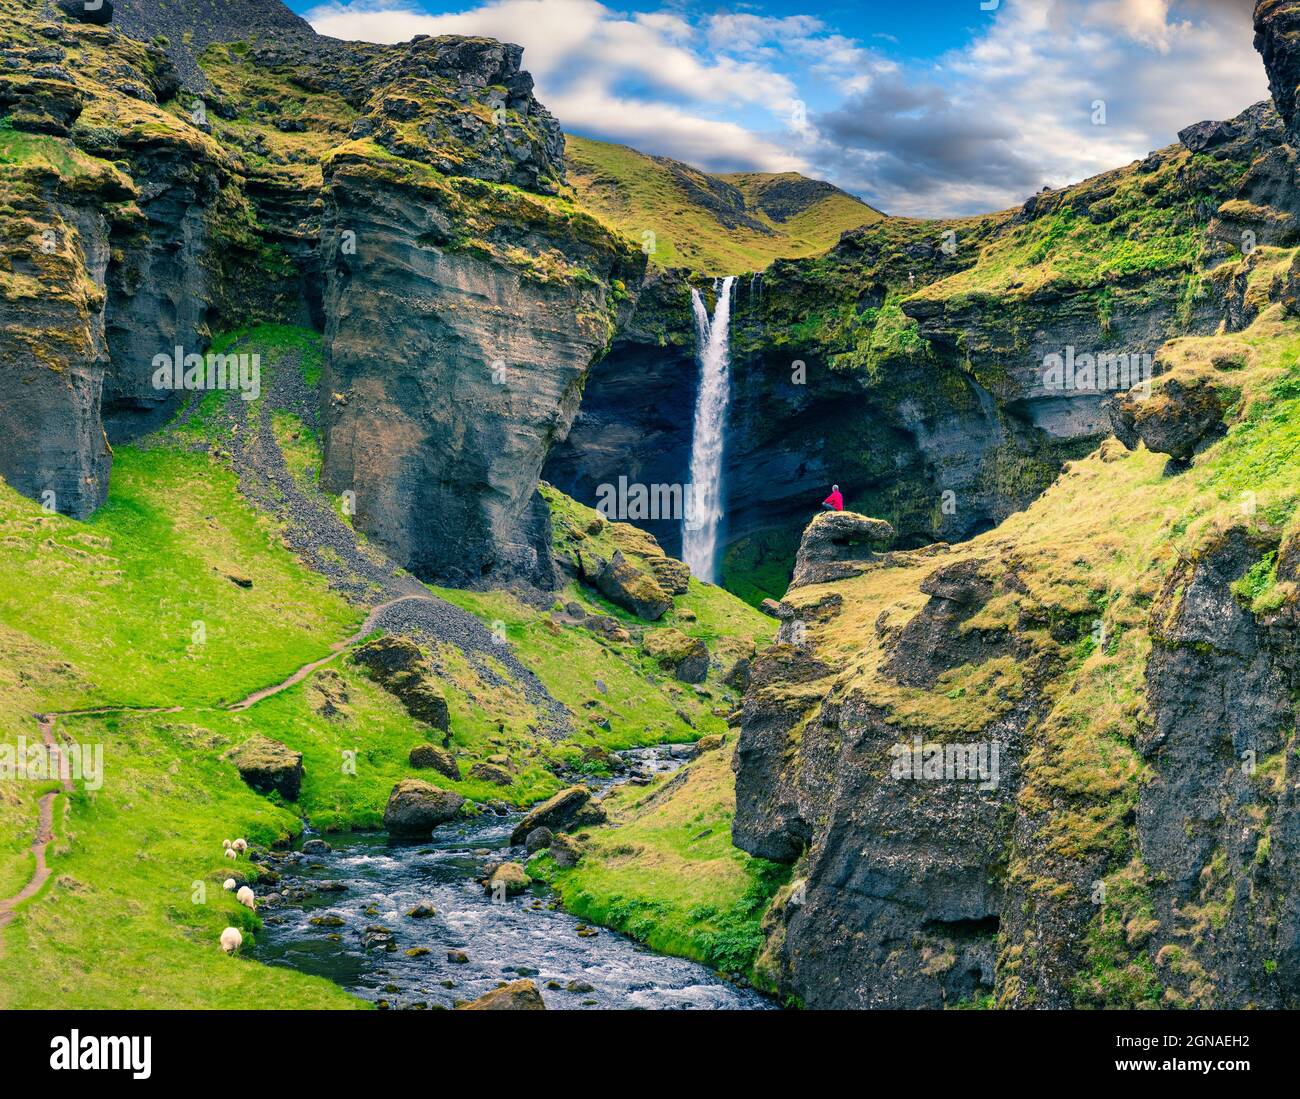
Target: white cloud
<point x="979" y="129"/>
<point x="584" y="57"/>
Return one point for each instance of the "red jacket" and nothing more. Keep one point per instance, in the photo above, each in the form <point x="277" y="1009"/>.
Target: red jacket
<point x="836" y="500"/>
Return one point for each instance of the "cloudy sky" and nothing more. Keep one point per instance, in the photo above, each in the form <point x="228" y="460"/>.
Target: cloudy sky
<point x="922" y="107"/>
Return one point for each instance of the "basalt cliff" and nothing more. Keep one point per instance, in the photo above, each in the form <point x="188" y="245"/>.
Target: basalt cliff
<point x="1053" y="765"/>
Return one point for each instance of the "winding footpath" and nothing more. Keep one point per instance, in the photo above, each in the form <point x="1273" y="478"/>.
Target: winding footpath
<point x="44" y="826"/>
<point x="49" y="721"/>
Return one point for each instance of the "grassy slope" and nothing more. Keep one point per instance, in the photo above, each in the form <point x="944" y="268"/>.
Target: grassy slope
<point x="635" y="193"/>
<point x="664" y="869"/>
<point x="102" y="613"/>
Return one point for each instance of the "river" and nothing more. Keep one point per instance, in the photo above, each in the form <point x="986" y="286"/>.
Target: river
<point x="381" y="879"/>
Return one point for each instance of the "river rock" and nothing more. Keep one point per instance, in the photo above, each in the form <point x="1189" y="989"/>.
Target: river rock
<point x="538" y="839"/>
<point x="267" y="765"/>
<point x="426" y="756"/>
<point x="316" y="846"/>
<point x="516" y="996"/>
<point x="398" y="665"/>
<point x="416" y="807"/>
<point x="511" y="875"/>
<point x="556" y="812"/>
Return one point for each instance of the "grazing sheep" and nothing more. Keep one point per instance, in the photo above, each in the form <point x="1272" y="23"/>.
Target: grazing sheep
<point x="245" y="897"/>
<point x="231" y="940"/>
<point x="226" y="844"/>
<point x="228" y="885"/>
<point x="231" y="853"/>
<point x="240" y="845"/>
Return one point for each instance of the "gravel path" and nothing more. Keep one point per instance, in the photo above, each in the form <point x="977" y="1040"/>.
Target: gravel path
<point x="319" y="534"/>
<point x="44" y="827"/>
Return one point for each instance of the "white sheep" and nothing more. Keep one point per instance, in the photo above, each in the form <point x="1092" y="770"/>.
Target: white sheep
<point x="231" y="940"/>
<point x="226" y="844"/>
<point x="229" y="885"/>
<point x="245" y="897"/>
<point x="240" y="845"/>
<point x="231" y="853"/>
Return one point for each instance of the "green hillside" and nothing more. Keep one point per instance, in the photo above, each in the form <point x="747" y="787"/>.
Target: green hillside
<point x="713" y="224"/>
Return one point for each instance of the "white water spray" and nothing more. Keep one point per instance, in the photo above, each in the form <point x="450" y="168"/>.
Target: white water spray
<point x="704" y="514"/>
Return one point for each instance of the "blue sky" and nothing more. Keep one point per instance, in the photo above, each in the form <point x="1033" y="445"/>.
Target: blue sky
<point x="928" y="107"/>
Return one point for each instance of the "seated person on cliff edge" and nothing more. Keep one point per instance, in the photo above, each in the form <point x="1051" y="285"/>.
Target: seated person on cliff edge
<point x="835" y="501"/>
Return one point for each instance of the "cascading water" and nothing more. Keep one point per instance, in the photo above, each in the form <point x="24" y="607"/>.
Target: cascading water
<point x="704" y="511"/>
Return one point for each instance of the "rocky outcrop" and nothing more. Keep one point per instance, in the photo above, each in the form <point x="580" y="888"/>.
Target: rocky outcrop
<point x="1177" y="420"/>
<point x="837" y="545"/>
<point x="269" y="766"/>
<point x="1277" y="37"/>
<point x="430" y="756"/>
<point x="415" y="807"/>
<point x="621" y="582"/>
<point x="1182" y="411"/>
<point x="687" y="658"/>
<point x="398" y="665"/>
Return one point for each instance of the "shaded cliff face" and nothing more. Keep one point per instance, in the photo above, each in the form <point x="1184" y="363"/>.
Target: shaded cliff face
<point x="441" y="435"/>
<point x="92" y="269"/>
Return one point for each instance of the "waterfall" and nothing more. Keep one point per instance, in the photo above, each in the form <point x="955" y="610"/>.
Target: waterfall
<point x="704" y="512"/>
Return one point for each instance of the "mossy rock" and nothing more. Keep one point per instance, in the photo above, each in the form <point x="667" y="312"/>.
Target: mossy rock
<point x="267" y="765"/>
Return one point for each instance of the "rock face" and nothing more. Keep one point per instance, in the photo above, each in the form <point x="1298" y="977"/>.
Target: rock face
<point x="837" y="545"/>
<point x="267" y="765"/>
<point x="516" y="996"/>
<point x="397" y="665"/>
<point x="415" y="808"/>
<point x="1277" y="37"/>
<point x="448" y="492"/>
<point x="1221" y="690"/>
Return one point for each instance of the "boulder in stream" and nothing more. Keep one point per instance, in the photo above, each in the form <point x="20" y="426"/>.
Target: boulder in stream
<point x="556" y="812"/>
<point x="416" y="807"/>
<point x="515" y="996"/>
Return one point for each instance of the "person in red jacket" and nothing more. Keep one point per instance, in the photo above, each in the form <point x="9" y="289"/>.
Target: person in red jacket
<point x="834" y="502"/>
